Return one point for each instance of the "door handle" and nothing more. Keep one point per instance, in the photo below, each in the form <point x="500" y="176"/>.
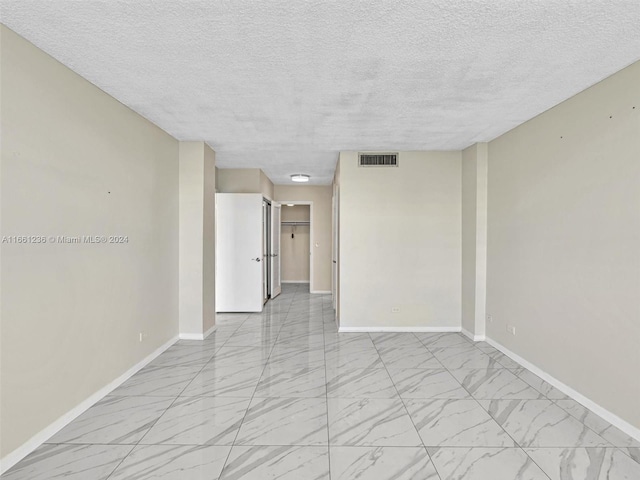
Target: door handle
<point x="257" y="259"/>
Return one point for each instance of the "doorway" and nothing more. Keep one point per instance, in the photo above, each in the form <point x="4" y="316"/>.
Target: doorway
<point x="296" y="243"/>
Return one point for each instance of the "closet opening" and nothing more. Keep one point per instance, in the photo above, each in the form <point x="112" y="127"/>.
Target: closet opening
<point x="296" y="243"/>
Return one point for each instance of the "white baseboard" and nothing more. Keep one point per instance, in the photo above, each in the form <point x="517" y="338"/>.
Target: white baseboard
<point x="323" y="292"/>
<point x="42" y="436"/>
<point x="294" y="281"/>
<point x="397" y="329"/>
<point x="197" y="336"/>
<point x="191" y="336"/>
<point x="475" y="338"/>
<point x="610" y="417"/>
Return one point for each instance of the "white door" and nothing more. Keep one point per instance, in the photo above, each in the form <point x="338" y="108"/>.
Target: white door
<point x="239" y="252"/>
<point x="276" y="286"/>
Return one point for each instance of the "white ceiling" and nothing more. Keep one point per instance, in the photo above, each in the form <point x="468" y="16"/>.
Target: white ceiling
<point x="285" y="85"/>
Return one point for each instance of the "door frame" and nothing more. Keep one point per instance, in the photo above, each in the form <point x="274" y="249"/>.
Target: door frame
<point x="284" y="203"/>
<point x="266" y="249"/>
<point x="275" y="206"/>
<point x="335" y="249"/>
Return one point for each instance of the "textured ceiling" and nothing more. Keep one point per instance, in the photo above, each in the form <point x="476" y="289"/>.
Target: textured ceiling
<point x="285" y="85"/>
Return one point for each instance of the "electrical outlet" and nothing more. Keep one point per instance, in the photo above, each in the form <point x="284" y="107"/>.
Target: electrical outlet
<point x="511" y="329"/>
<point x="142" y="336"/>
<point x="489" y="319"/>
<point x="395" y="310"/>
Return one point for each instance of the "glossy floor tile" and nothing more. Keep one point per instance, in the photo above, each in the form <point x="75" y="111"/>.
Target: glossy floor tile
<point x="456" y="423"/>
<point x="282" y="395"/>
<point x="360" y="383"/>
<point x="75" y="462"/>
<point x="285" y="421"/>
<point x="485" y="464"/>
<point x="494" y="383"/>
<point x="277" y="462"/>
<point x="199" y="421"/>
<point x="381" y="463"/>
<point x="585" y="463"/>
<point x="370" y="422"/>
<point x="114" y="420"/>
<point x="168" y="462"/>
<point x="541" y="423"/>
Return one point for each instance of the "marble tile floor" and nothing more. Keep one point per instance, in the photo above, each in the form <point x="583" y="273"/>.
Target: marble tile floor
<point x="281" y="395"/>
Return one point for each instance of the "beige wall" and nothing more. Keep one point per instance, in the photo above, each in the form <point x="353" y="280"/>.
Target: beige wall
<point x="400" y="241"/>
<point x="469" y="180"/>
<point x="244" y="180"/>
<point x="474" y="238"/>
<point x="239" y="180"/>
<point x="266" y="186"/>
<point x="294" y="252"/>
<point x="209" y="240"/>
<point x="77" y="162"/>
<point x="197" y="241"/>
<point x="321" y="198"/>
<point x="564" y="242"/>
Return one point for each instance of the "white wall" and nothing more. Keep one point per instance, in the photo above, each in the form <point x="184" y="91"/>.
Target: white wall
<point x="400" y="241"/>
<point x="564" y="242"/>
<point x="321" y="198"/>
<point x="77" y="162"/>
<point x="294" y="252"/>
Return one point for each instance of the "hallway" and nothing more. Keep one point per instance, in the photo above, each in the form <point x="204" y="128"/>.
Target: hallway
<point x="282" y="395"/>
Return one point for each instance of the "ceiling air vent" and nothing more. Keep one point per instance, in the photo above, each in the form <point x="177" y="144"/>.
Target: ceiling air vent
<point x="378" y="159"/>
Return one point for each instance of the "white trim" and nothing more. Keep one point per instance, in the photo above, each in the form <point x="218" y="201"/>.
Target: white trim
<point x="294" y="281"/>
<point x="324" y="292"/>
<point x="610" y="417"/>
<point x="475" y="338"/>
<point x="397" y="329"/>
<point x="191" y="336"/>
<point x="197" y="336"/>
<point x="46" y="433"/>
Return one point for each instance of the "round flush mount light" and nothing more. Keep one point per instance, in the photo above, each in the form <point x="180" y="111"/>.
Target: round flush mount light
<point x="300" y="177"/>
<point x="289" y="204"/>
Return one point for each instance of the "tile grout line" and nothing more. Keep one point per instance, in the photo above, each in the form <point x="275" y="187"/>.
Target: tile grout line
<point x="170" y="405"/>
<point x="233" y="444"/>
<point x="405" y="406"/>
<point x="517" y="445"/>
<point x="326" y="391"/>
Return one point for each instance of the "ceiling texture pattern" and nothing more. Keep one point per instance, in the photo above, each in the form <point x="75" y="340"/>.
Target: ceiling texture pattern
<point x="285" y="85"/>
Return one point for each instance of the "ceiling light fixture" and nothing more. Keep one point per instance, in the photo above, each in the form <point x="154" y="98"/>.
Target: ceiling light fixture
<point x="300" y="177"/>
<point x="289" y="204"/>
